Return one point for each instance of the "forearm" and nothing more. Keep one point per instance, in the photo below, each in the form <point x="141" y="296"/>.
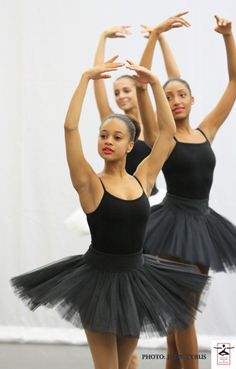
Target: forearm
<point x="164" y="114"/>
<point x="147" y="57"/>
<point x="100" y="52"/>
<point x="99" y="85"/>
<point x="75" y="107"/>
<point x="170" y="62"/>
<point x="231" y="55"/>
<point x="148" y="116"/>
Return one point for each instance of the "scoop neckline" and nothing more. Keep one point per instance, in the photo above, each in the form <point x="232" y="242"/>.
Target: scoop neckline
<point x="127" y="200"/>
<point x="192" y="143"/>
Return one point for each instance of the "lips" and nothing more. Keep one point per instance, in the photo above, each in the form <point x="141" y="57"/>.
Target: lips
<point x="124" y="102"/>
<point x="178" y="110"/>
<point x="107" y="150"/>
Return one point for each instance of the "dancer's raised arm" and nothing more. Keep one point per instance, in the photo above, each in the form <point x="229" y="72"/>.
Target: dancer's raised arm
<point x="155" y="34"/>
<point x="83" y="177"/>
<point x="149" y="168"/>
<point x="216" y="117"/>
<point x="99" y="85"/>
<point x="148" y="115"/>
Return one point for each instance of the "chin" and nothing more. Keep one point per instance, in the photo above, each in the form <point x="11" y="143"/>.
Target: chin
<point x="180" y="117"/>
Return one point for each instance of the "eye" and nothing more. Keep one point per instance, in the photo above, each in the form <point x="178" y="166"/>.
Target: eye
<point x="102" y="135"/>
<point x="183" y="94"/>
<point x="116" y="93"/>
<point x="168" y="98"/>
<point x="117" y="138"/>
<point x="127" y="90"/>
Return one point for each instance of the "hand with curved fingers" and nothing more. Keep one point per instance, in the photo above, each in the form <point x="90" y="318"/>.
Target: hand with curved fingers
<point x="102" y="71"/>
<point x="143" y="75"/>
<point x="117" y="32"/>
<point x="223" y="26"/>
<point x="172" y="22"/>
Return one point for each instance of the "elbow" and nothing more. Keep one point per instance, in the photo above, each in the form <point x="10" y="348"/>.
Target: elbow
<point x="69" y="126"/>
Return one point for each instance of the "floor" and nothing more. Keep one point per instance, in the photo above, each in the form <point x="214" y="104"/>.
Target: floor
<point x="35" y="356"/>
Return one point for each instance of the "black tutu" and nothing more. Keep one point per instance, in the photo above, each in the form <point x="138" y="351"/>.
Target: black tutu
<point x="188" y="229"/>
<point x="120" y="294"/>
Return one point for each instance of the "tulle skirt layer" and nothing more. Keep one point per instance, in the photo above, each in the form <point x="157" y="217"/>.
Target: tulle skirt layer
<point x="190" y="230"/>
<point x="120" y="294"/>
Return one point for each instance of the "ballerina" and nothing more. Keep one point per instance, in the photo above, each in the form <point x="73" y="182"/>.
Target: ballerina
<point x="114" y="291"/>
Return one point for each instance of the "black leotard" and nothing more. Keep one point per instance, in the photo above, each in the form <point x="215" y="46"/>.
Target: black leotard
<point x="189" y="169"/>
<point x="140" y="151"/>
<point x="117" y="226"/>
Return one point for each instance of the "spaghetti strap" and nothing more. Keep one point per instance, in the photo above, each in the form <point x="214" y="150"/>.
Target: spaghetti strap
<point x="103" y="186"/>
<point x="200" y="130"/>
<point x="138" y="182"/>
<point x="175" y="139"/>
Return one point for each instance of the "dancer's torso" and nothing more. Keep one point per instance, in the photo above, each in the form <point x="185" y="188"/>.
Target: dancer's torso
<point x="117" y="226"/>
<point x="189" y="170"/>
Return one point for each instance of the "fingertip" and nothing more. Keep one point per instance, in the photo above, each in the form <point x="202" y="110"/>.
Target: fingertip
<point x="186" y="12"/>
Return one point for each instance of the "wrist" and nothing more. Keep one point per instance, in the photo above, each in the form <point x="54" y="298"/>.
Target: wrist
<point x="141" y="88"/>
<point x="104" y="35"/>
<point x="86" y="75"/>
<point x="158" y="33"/>
<point x="154" y="82"/>
<point x="225" y="35"/>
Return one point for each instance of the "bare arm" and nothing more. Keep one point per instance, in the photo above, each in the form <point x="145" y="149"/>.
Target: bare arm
<point x="148" y="115"/>
<point x="84" y="179"/>
<point x="149" y="168"/>
<point x="218" y="115"/>
<point x="172" y="68"/>
<point x="149" y="118"/>
<point x="99" y="85"/>
<point x="155" y="34"/>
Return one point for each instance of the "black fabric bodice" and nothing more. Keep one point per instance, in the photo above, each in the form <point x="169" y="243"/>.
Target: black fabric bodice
<point x="117" y="226"/>
<point x="189" y="170"/>
<point x="140" y="151"/>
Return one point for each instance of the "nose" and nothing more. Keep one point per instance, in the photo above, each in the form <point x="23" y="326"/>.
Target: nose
<point x="176" y="100"/>
<point x="109" y="141"/>
<point x="121" y="95"/>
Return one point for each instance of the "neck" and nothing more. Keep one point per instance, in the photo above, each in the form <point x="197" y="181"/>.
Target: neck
<point x="183" y="126"/>
<point x="115" y="169"/>
<point x="133" y="112"/>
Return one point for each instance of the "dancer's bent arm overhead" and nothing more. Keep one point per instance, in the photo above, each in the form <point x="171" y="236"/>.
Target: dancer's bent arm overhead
<point x="216" y="117"/>
<point x="99" y="85"/>
<point x="148" y="115"/>
<point x="83" y="177"/>
<point x="149" y="168"/>
<point x="155" y="34"/>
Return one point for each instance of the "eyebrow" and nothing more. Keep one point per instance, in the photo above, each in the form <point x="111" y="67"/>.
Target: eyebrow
<point x="104" y="130"/>
<point x="181" y="90"/>
<point x="117" y="89"/>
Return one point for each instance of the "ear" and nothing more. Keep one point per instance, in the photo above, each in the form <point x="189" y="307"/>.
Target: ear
<point x="193" y="100"/>
<point x="130" y="146"/>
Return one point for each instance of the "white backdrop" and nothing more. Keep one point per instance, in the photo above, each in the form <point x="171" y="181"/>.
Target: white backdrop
<point x="45" y="46"/>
